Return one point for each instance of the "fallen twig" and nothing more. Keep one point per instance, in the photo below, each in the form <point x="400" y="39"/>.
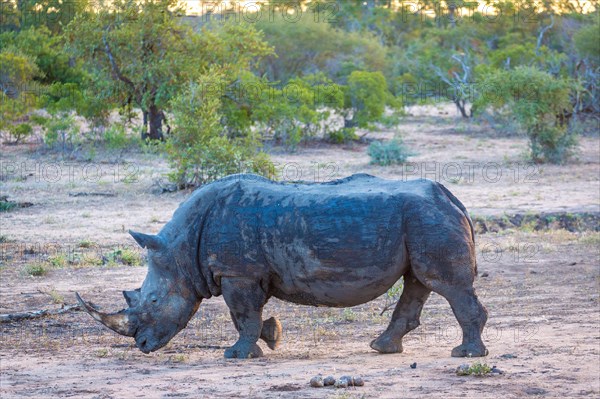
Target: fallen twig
<point x="6" y="318"/>
<point x="92" y="194"/>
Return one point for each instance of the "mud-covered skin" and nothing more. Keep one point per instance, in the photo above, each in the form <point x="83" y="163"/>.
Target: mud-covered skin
<point x="334" y="244"/>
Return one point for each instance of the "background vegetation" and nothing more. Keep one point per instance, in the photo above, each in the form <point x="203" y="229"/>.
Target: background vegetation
<point x="213" y="89"/>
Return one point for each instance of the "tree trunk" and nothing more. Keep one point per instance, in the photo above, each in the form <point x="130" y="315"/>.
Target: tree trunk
<point x="451" y="16"/>
<point x="462" y="107"/>
<point x="145" y="125"/>
<point x="155" y="121"/>
<point x="349" y="123"/>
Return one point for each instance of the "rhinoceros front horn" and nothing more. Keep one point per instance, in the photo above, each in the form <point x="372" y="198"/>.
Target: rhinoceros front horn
<point x="118" y="322"/>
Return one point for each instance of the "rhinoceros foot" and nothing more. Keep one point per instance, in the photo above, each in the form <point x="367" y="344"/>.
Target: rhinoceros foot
<point x="470" y="350"/>
<point x="272" y="333"/>
<point x="243" y="350"/>
<point x="385" y="343"/>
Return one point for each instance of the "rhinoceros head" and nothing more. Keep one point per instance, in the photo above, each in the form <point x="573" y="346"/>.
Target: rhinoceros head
<point x="160" y="308"/>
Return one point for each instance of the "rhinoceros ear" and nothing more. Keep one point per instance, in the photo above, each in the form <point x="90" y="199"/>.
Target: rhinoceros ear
<point x="147" y="241"/>
<point x="132" y="297"/>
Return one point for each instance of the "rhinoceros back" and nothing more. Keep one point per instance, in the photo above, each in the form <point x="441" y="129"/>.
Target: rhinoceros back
<point x="332" y="244"/>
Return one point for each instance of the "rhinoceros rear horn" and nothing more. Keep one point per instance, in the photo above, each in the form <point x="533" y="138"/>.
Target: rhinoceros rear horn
<point x="147" y="241"/>
<point x="118" y="322"/>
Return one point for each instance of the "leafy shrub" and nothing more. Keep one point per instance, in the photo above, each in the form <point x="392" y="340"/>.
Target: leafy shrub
<point x="7" y="205"/>
<point x="21" y="131"/>
<point x="297" y="111"/>
<point x="61" y="132"/>
<point x="477" y="369"/>
<point x="125" y="256"/>
<point x="17" y="94"/>
<point x="343" y="135"/>
<point x="389" y="153"/>
<point x="58" y="260"/>
<point x="35" y="269"/>
<point x="538" y="101"/>
<point x="366" y="96"/>
<point x="587" y="43"/>
<point x="200" y="150"/>
<point x="116" y="137"/>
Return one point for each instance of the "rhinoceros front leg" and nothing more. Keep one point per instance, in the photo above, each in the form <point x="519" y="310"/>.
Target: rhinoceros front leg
<point x="271" y="332"/>
<point x="405" y="317"/>
<point x="245" y="299"/>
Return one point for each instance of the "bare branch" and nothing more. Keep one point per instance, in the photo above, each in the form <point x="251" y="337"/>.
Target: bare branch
<point x="542" y="33"/>
<point x="7" y="318"/>
<point x="116" y="71"/>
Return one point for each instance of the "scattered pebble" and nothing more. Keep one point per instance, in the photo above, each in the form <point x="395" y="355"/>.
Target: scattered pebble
<point x="329" y="380"/>
<point x="344" y="381"/>
<point x="496" y="370"/>
<point x="508" y="356"/>
<point x="414" y="365"/>
<point x="485" y="274"/>
<point x="349" y="380"/>
<point x="316" y="382"/>
<point x="341" y="383"/>
<point x="358" y="382"/>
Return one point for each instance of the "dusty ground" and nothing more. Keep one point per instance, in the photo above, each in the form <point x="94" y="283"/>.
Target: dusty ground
<point x="541" y="288"/>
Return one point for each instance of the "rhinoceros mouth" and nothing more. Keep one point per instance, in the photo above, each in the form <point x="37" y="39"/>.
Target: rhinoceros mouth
<point x="147" y="345"/>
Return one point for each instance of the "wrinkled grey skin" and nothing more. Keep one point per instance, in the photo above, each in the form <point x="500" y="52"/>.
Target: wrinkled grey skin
<point x="336" y="244"/>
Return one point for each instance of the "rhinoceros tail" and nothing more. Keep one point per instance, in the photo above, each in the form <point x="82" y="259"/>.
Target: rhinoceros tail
<point x="460" y="206"/>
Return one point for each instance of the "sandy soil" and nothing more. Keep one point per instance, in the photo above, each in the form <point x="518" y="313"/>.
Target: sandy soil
<point x="541" y="288"/>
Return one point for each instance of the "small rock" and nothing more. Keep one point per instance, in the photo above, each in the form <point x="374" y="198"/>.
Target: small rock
<point x="535" y="391"/>
<point x="329" y="380"/>
<point x="485" y="274"/>
<point x="341" y="383"/>
<point x="358" y="382"/>
<point x="349" y="380"/>
<point x="496" y="370"/>
<point x="316" y="382"/>
<point x="508" y="356"/>
<point x="414" y="365"/>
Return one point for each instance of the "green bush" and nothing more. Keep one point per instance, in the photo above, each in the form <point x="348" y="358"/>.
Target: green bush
<point x="343" y="135"/>
<point x="35" y="269"/>
<point x="21" y="131"/>
<point x="538" y="101"/>
<point x="587" y="43"/>
<point x="389" y="153"/>
<point x="116" y="137"/>
<point x="7" y="205"/>
<point x="125" y="256"/>
<point x="61" y="132"/>
<point x="200" y="150"/>
<point x="366" y="96"/>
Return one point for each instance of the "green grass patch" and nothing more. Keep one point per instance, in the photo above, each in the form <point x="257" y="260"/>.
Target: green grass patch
<point x="477" y="369"/>
<point x="6" y="206"/>
<point x="85" y="244"/>
<point x="124" y="256"/>
<point x="36" y="269"/>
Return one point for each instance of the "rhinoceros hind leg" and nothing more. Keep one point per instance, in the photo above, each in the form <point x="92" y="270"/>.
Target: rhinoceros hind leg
<point x="272" y="333"/>
<point x="245" y="299"/>
<point x="405" y="317"/>
<point x="471" y="316"/>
